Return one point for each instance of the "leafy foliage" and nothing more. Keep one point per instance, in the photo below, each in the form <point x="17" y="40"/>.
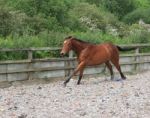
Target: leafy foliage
<point x="120" y="7"/>
<point x="138" y="14"/>
<point x="39" y="23"/>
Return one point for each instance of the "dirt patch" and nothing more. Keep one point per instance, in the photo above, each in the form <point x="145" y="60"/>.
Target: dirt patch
<point x="94" y="98"/>
<point x="5" y="84"/>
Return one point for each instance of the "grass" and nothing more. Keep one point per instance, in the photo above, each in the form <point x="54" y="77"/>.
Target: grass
<point x="55" y="39"/>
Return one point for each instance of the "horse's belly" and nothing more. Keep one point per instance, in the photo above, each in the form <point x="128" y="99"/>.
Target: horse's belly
<point x="96" y="59"/>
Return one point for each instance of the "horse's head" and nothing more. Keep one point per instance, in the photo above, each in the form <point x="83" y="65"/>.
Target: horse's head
<point x="67" y="45"/>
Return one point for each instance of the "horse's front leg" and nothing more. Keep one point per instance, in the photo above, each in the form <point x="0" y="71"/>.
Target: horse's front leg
<point x="79" y="67"/>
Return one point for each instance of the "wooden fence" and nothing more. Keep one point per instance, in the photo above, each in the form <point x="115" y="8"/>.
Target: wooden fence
<point x="12" y="70"/>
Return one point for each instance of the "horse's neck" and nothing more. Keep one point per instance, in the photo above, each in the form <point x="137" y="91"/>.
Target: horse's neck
<point x="79" y="46"/>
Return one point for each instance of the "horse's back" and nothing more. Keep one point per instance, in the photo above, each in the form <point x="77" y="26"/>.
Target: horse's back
<point x="109" y="49"/>
<point x="97" y="54"/>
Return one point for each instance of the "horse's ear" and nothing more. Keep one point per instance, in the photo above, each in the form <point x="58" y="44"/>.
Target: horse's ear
<point x="69" y="37"/>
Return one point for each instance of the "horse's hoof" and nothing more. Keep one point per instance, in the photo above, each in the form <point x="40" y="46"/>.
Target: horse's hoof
<point x="124" y="78"/>
<point x="112" y="77"/>
<point x="78" y="83"/>
<point x="64" y="84"/>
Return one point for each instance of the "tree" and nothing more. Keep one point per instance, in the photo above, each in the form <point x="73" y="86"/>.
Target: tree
<point x="120" y="7"/>
<point x="5" y="22"/>
<point x="136" y="15"/>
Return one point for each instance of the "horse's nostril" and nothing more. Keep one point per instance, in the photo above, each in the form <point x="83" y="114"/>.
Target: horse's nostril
<point x="62" y="54"/>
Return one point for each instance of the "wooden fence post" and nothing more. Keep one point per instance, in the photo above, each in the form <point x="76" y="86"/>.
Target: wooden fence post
<point x="137" y="51"/>
<point x="70" y="54"/>
<point x="30" y="54"/>
<point x="68" y="63"/>
<point x="30" y="57"/>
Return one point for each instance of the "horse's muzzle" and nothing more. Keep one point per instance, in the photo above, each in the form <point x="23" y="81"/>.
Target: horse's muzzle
<point x="62" y="54"/>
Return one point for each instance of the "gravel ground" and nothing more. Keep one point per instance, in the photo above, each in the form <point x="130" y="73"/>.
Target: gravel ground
<point x="94" y="98"/>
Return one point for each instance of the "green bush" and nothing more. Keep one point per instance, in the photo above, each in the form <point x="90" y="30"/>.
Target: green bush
<point x="5" y="22"/>
<point x="45" y="23"/>
<point x="136" y="15"/>
<point x="120" y="7"/>
<point x="90" y="17"/>
<point x="99" y="37"/>
<point x="43" y="40"/>
<point x="140" y="37"/>
<point x="142" y="3"/>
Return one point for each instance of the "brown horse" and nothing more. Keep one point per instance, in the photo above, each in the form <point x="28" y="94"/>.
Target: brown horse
<point x="90" y="54"/>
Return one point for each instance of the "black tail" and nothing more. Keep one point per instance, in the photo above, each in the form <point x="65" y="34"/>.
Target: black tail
<point x="126" y="48"/>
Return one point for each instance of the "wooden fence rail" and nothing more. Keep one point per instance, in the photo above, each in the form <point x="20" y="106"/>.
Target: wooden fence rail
<point x="31" y="50"/>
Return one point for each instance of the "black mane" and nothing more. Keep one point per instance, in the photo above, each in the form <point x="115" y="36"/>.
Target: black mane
<point x="82" y="41"/>
<point x="79" y="40"/>
<point x="68" y="37"/>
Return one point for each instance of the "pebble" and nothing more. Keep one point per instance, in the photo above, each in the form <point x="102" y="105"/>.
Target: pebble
<point x="22" y="116"/>
<point x="82" y="113"/>
<point x="39" y="87"/>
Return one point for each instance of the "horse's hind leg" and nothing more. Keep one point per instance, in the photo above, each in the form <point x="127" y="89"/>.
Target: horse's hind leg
<point x="79" y="67"/>
<point x="109" y="66"/>
<point x="116" y="64"/>
<point x="80" y="76"/>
